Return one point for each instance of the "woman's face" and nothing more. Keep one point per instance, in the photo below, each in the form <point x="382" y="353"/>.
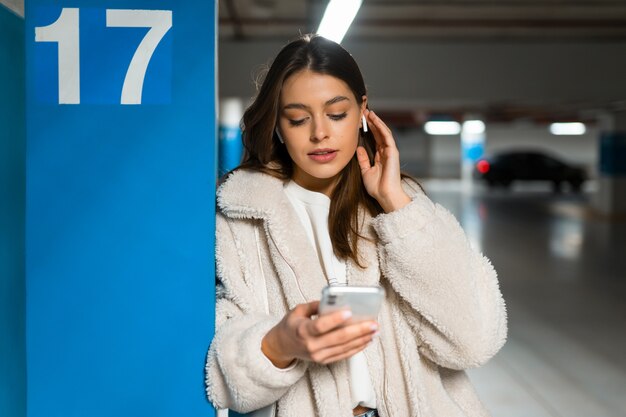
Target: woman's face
<point x="319" y="120"/>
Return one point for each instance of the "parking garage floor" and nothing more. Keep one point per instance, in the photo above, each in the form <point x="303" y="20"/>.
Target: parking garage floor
<point x="562" y="272"/>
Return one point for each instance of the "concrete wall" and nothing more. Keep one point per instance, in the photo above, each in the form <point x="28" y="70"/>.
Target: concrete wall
<point x="407" y="74"/>
<point x="12" y="179"/>
<point x="439" y="156"/>
<point x="16" y="5"/>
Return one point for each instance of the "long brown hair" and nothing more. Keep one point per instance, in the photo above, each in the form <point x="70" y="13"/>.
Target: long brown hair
<point x="263" y="151"/>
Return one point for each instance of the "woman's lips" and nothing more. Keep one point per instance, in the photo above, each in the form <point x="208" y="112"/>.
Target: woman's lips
<point x="323" y="155"/>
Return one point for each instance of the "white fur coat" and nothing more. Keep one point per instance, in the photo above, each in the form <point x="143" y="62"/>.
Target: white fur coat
<point x="443" y="311"/>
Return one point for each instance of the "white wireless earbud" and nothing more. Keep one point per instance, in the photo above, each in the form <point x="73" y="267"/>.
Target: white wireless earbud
<point x="364" y="123"/>
<point x="280" y="138"/>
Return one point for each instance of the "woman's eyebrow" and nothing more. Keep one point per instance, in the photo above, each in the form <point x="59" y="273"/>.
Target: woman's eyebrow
<point x="301" y="106"/>
<point x="336" y="100"/>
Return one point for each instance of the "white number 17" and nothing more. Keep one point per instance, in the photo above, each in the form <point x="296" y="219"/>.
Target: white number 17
<point x="65" y="31"/>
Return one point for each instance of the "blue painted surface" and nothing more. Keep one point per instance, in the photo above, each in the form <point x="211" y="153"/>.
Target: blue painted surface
<point x="105" y="55"/>
<point x="230" y="148"/>
<point x="119" y="232"/>
<point x="613" y="154"/>
<point x="12" y="177"/>
<point x="473" y="151"/>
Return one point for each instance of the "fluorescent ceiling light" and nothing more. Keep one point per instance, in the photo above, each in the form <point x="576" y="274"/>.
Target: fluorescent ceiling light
<point x="442" y="128"/>
<point x="575" y="128"/>
<point x="337" y="18"/>
<point x="474" y="127"/>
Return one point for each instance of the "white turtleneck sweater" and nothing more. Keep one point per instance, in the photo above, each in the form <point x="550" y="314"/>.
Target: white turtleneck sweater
<point x="312" y="209"/>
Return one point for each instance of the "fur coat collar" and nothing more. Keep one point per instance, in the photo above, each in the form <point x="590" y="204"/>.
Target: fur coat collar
<point x="255" y="195"/>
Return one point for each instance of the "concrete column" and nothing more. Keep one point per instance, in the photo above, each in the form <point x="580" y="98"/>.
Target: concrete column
<point x="610" y="199"/>
<point x="472" y="148"/>
<point x="414" y="147"/>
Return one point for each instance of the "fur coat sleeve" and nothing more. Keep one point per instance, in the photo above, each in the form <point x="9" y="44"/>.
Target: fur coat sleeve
<point x="450" y="294"/>
<point x="238" y="375"/>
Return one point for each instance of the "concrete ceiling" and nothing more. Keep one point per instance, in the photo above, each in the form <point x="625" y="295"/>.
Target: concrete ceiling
<point x="399" y="20"/>
<point x="537" y="59"/>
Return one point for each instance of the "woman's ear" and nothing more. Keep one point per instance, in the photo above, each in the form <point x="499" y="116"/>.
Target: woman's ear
<point x="363" y="118"/>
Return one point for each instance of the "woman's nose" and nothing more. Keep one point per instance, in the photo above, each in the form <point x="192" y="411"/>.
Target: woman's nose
<point x="320" y="130"/>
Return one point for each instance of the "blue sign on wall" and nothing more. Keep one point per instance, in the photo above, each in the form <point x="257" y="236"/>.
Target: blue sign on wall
<point x="102" y="55"/>
<point x="120" y="206"/>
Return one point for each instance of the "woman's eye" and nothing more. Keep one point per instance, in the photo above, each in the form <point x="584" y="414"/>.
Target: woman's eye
<point x="337" y="116"/>
<point x="296" y="122"/>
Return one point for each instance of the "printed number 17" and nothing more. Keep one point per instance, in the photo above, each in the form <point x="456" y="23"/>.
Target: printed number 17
<point x="65" y="31"/>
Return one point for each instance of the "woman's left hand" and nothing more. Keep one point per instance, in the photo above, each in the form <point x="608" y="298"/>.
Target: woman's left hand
<point x="382" y="180"/>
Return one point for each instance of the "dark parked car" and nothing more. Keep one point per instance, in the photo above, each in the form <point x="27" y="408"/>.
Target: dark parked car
<point x="503" y="168"/>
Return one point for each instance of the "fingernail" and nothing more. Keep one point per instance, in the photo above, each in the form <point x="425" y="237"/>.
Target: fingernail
<point x="374" y="326"/>
<point x="375" y="336"/>
<point x="347" y="314"/>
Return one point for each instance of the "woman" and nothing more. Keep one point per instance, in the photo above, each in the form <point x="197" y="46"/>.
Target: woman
<point x="318" y="200"/>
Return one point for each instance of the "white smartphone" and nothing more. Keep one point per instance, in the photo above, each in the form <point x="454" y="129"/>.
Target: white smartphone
<point x="363" y="302"/>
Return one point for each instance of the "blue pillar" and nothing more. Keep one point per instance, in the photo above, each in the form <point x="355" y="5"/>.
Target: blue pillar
<point x="120" y="194"/>
<point x="12" y="178"/>
<point x="610" y="198"/>
<point x="613" y="154"/>
<point x="230" y="145"/>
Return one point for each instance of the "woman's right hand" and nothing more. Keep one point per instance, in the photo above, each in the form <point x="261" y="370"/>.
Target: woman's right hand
<point x="324" y="340"/>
